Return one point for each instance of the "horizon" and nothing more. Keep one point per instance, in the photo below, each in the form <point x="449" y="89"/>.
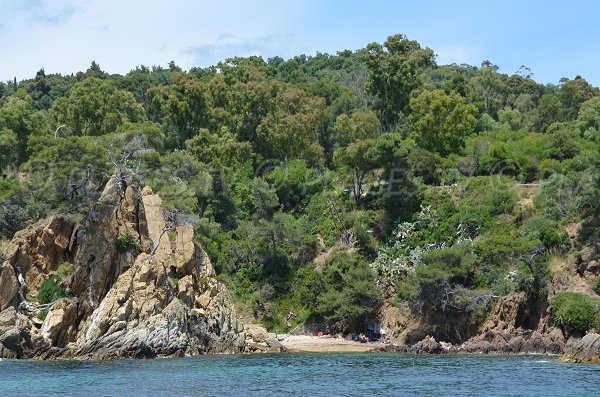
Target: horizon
<point x="547" y="38"/>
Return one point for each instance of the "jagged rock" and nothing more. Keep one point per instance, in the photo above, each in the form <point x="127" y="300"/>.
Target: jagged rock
<point x="392" y="348"/>
<point x="124" y="303"/>
<point x="59" y="326"/>
<point x="98" y="262"/>
<point x="150" y="321"/>
<point x="203" y="300"/>
<point x="9" y="286"/>
<point x="476" y="346"/>
<point x="38" y="250"/>
<point x="508" y="314"/>
<point x="427" y="346"/>
<point x="586" y="350"/>
<point x="515" y="344"/>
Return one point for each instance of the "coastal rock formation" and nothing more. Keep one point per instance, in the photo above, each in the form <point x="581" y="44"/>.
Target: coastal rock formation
<point x="585" y="351"/>
<point x="139" y="285"/>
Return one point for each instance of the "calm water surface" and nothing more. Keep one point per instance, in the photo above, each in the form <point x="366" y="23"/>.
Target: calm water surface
<point x="330" y="375"/>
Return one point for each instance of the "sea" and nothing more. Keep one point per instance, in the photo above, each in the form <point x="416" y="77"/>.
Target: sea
<point x="296" y="374"/>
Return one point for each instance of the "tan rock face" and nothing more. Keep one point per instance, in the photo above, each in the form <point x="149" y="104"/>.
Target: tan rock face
<point x="508" y="313"/>
<point x="9" y="285"/>
<point x="38" y="250"/>
<point x="155" y="320"/>
<point x="119" y="303"/>
<point x="59" y="327"/>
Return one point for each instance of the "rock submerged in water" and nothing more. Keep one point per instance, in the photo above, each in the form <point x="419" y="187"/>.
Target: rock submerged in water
<point x="155" y="298"/>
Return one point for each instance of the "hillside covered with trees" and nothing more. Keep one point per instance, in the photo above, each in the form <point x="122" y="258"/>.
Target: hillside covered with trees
<point x="326" y="186"/>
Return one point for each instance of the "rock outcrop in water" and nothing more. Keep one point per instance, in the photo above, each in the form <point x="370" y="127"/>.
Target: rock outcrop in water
<point x="140" y="287"/>
<point x="585" y="351"/>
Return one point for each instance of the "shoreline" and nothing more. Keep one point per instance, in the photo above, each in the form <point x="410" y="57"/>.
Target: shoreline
<point x="316" y="344"/>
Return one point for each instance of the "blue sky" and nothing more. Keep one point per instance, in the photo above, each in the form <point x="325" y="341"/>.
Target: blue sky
<point x="63" y="36"/>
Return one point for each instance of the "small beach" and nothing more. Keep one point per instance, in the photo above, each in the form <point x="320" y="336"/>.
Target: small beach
<point x="318" y="344"/>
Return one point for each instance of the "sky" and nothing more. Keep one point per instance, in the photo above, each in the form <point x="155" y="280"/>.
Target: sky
<point x="553" y="38"/>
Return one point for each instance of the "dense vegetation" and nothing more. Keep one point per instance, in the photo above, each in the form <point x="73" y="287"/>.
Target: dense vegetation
<point x="323" y="185"/>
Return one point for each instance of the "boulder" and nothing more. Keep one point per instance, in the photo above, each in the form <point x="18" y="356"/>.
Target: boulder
<point x="59" y="326"/>
<point x="256" y="333"/>
<point x="589" y="253"/>
<point x="427" y="346"/>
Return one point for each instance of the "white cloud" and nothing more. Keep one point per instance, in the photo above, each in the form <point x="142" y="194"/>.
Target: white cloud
<point x="227" y="46"/>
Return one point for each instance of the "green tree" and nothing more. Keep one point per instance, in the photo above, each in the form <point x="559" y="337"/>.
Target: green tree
<point x="589" y="118"/>
<point x="440" y="122"/>
<point x="345" y="292"/>
<point x="182" y="106"/>
<point x="96" y="107"/>
<point x="572" y="94"/>
<point x="8" y="148"/>
<point x="358" y="159"/>
<point x="395" y="70"/>
<point x="19" y="116"/>
<point x="291" y="130"/>
<point x="547" y="111"/>
<point x="490" y="89"/>
<point x="361" y="125"/>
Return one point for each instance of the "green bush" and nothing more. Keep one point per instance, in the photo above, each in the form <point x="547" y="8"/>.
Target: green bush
<point x="42" y="314"/>
<point x="126" y="242"/>
<point x="574" y="310"/>
<point x="65" y="269"/>
<point x="443" y="264"/>
<point x="596" y="286"/>
<point x="50" y="291"/>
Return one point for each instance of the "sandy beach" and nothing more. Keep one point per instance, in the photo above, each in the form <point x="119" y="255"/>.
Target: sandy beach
<point x="307" y="343"/>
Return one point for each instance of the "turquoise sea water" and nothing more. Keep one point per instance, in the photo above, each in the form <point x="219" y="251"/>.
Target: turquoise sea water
<point x="332" y="374"/>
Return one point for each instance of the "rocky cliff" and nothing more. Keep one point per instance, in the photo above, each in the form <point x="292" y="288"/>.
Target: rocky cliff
<point x="134" y="283"/>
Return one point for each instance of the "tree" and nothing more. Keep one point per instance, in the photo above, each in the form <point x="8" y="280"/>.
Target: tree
<point x="219" y="150"/>
<point x="395" y="70"/>
<point x="291" y="129"/>
<point x="361" y="125"/>
<point x="490" y="88"/>
<point x="96" y="107"/>
<point x="359" y="160"/>
<point x="440" y="122"/>
<point x="589" y="118"/>
<point x="572" y="94"/>
<point x="547" y="111"/>
<point x="8" y="148"/>
<point x="181" y="106"/>
<point x="18" y="115"/>
<point x="345" y="292"/>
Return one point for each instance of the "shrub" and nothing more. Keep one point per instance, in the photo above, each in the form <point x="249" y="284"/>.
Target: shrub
<point x="596" y="286"/>
<point x="42" y="314"/>
<point x="50" y="291"/>
<point x="65" y="269"/>
<point x="345" y="292"/>
<point x="574" y="310"/>
<point x="126" y="242"/>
